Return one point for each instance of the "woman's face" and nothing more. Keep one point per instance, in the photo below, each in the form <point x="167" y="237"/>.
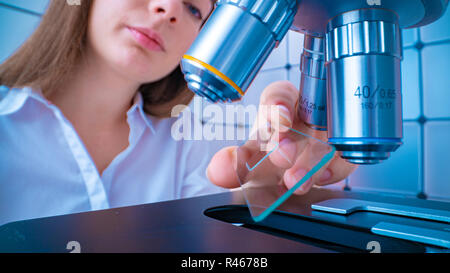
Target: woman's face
<point x="116" y="27"/>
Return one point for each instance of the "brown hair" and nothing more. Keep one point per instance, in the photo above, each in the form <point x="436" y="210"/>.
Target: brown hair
<point x="51" y="52"/>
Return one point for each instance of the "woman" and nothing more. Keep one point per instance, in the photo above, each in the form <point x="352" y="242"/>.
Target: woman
<point x="84" y="119"/>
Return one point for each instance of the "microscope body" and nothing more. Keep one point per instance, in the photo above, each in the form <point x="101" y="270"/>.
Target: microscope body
<point x="350" y="67"/>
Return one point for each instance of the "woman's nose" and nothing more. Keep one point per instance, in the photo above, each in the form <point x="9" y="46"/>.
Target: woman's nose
<point x="168" y="9"/>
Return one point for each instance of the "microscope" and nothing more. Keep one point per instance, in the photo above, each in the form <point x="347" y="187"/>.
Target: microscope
<point x="350" y="65"/>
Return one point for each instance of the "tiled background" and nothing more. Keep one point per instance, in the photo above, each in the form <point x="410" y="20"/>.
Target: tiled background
<point x="421" y="167"/>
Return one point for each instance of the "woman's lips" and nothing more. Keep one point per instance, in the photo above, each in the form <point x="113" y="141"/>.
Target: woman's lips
<point x="144" y="40"/>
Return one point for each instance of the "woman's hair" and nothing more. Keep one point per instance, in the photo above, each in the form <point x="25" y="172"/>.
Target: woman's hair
<point x="56" y="46"/>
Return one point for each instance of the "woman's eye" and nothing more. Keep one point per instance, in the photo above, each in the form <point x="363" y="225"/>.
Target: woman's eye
<point x="195" y="11"/>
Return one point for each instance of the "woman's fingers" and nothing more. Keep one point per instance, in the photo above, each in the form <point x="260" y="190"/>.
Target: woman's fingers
<point x="298" y="157"/>
<point x="310" y="156"/>
<point x="285" y="153"/>
<point x="221" y="170"/>
<point x="334" y="171"/>
<point x="294" y="153"/>
<point x="337" y="170"/>
<point x="278" y="108"/>
<point x="283" y="96"/>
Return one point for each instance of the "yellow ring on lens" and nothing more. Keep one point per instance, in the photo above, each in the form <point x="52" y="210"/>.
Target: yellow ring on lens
<point x="216" y="72"/>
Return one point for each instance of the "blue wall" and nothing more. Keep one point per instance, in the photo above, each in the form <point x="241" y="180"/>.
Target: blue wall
<point x="421" y="167"/>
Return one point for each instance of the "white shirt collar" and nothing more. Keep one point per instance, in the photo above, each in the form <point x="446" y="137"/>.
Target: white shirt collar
<point x="16" y="98"/>
<point x="138" y="105"/>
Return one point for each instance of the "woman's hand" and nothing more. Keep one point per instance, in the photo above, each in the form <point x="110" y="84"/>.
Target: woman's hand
<point x="221" y="170"/>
